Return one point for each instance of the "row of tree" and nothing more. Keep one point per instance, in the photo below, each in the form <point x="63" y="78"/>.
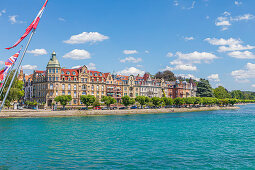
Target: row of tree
<point x="204" y="89"/>
<point x="89" y="100"/>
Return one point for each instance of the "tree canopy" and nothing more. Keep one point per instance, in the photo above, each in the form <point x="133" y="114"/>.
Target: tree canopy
<point x="108" y="100"/>
<point x="64" y="99"/>
<point x="221" y="93"/>
<point x="204" y="89"/>
<point x="166" y="75"/>
<point x="87" y="100"/>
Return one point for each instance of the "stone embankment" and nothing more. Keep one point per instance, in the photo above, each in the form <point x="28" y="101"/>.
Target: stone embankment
<point x="70" y="113"/>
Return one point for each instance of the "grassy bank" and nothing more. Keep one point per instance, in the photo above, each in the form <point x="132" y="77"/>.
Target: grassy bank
<point x="70" y="113"/>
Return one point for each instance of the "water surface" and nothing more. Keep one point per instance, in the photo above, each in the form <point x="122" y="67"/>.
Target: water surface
<point x="198" y="140"/>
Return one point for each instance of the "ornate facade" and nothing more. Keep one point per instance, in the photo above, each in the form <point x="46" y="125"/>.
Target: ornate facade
<point x="44" y="86"/>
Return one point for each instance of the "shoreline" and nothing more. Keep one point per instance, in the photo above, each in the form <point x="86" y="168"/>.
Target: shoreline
<point x="79" y="113"/>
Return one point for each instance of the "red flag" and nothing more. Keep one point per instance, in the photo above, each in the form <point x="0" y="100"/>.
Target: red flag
<point x="33" y="25"/>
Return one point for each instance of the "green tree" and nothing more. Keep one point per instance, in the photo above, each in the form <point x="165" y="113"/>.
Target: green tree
<point x="87" y="100"/>
<point x="141" y="100"/>
<point x="16" y="92"/>
<point x="96" y="103"/>
<point x="221" y="93"/>
<point x="166" y="75"/>
<point x="126" y="100"/>
<point x="198" y="100"/>
<point x="108" y="100"/>
<point x="204" y="89"/>
<point x="167" y="101"/>
<point x="156" y="101"/>
<point x="64" y="99"/>
<point x="190" y="100"/>
<point x="237" y="94"/>
<point x="179" y="101"/>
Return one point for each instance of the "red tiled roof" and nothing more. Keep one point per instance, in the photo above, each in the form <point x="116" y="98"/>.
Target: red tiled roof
<point x="71" y="72"/>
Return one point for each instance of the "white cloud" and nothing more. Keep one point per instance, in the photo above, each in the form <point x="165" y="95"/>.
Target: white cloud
<point x="226" y="19"/>
<point x="131" y="59"/>
<point x="75" y="67"/>
<point x="189" y="38"/>
<point x="130" y="52"/>
<point x="207" y="17"/>
<point x="170" y="54"/>
<point x="78" y="54"/>
<point x="238" y="3"/>
<point x="243" y="17"/>
<point x="37" y="52"/>
<point x="13" y="19"/>
<point x="29" y="67"/>
<point x="147" y="52"/>
<point x="131" y="71"/>
<point x="244" y="74"/>
<point x="196" y="57"/>
<point x="2" y="12"/>
<point x="221" y="41"/>
<point x="214" y="77"/>
<point x="86" y="37"/>
<point x="91" y="66"/>
<point x="176" y="3"/>
<point x="237" y="47"/>
<point x="61" y="19"/>
<point x="182" y="67"/>
<point x="230" y="44"/>
<point x="188" y="76"/>
<point x="242" y="55"/>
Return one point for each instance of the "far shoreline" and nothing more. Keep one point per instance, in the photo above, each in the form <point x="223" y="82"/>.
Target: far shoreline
<point x="84" y="113"/>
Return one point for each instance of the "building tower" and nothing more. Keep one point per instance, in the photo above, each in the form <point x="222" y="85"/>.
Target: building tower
<point x="53" y="76"/>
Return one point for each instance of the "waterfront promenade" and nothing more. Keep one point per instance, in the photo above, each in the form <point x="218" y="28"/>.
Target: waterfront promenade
<point x="70" y="113"/>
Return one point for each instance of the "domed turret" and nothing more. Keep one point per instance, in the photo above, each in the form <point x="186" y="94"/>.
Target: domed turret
<point x="53" y="61"/>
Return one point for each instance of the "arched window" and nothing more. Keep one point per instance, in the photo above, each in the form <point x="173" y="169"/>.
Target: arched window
<point x="91" y="74"/>
<point x="95" y="74"/>
<point x="100" y="74"/>
<point x="62" y="72"/>
<point x="83" y="87"/>
<point x="74" y="73"/>
<point x="68" y="72"/>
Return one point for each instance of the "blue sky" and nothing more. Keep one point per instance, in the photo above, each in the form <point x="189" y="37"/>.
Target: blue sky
<point x="210" y="39"/>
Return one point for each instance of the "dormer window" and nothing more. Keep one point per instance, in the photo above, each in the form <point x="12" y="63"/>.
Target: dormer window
<point x="62" y="72"/>
<point x="95" y="74"/>
<point x="68" y="73"/>
<point x="100" y="74"/>
<point x="91" y="74"/>
<point x="74" y="73"/>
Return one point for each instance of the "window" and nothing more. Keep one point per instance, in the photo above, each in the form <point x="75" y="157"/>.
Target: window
<point x="51" y="86"/>
<point x="102" y="88"/>
<point x="74" y="101"/>
<point x="92" y="87"/>
<point x="97" y="87"/>
<point x="63" y="86"/>
<point x="95" y="74"/>
<point x="82" y="80"/>
<point x="97" y="93"/>
<point x="56" y="78"/>
<point x="56" y="93"/>
<point x="75" y="94"/>
<point x="49" y="78"/>
<point x="62" y="72"/>
<point x="86" y="80"/>
<point x="69" y="78"/>
<point x="84" y="93"/>
<point x="100" y="74"/>
<point x="74" y="87"/>
<point x="51" y="93"/>
<point x="125" y="94"/>
<point x="68" y="73"/>
<point x="49" y="70"/>
<point x="63" y="92"/>
<point x="91" y="74"/>
<point x="69" y="86"/>
<point x="69" y="92"/>
<point x="53" y="78"/>
<point x="74" y="73"/>
<point x="53" y="70"/>
<point x="56" y="70"/>
<point x="92" y="93"/>
<point x="75" y="79"/>
<point x="83" y="87"/>
<point x="63" y="78"/>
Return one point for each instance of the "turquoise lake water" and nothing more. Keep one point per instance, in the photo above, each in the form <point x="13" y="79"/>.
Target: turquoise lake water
<point x="199" y="140"/>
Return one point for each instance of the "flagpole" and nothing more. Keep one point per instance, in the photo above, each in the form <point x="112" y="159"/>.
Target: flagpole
<point x="6" y="79"/>
<point x="16" y="71"/>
